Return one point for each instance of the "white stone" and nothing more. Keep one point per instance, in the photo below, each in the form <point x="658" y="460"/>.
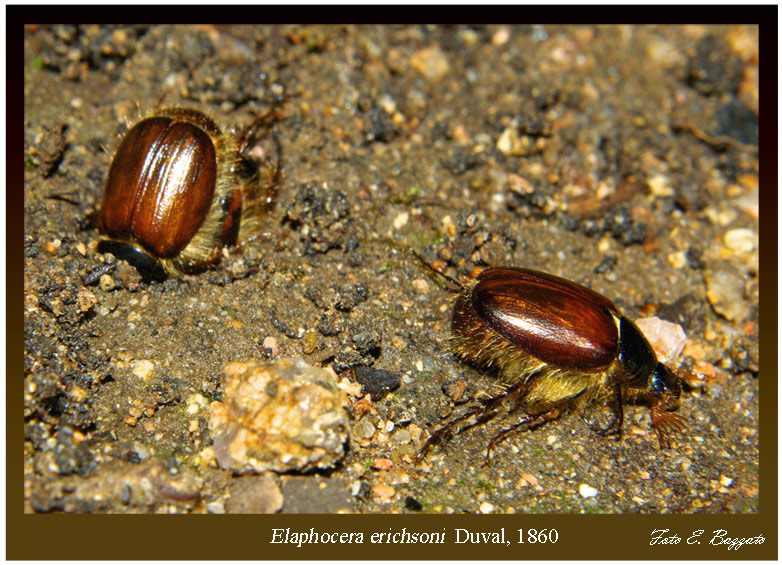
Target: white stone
<point x="587" y="491"/>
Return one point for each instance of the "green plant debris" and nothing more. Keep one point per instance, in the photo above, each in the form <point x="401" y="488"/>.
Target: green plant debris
<point x="483" y="484"/>
<point x="406" y="197"/>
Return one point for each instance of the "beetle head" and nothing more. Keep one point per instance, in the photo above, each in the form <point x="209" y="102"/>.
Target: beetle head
<point x="664" y="387"/>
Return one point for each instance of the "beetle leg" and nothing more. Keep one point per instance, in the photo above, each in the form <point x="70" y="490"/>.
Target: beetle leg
<point x="620" y="413"/>
<point x="529" y="422"/>
<point x="487" y="410"/>
<point x="248" y="138"/>
<point x="665" y="424"/>
<point x="264" y="121"/>
<point x="445" y="432"/>
<point x="275" y="167"/>
<point x="504" y="434"/>
<point x="615" y="427"/>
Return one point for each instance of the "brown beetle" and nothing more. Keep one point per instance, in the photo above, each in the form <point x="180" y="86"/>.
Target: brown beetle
<point x="179" y="190"/>
<point x="556" y="345"/>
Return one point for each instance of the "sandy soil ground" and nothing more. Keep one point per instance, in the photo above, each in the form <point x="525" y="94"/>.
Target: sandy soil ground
<point x="624" y="158"/>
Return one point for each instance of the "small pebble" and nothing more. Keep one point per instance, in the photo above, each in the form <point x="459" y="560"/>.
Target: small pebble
<point x="106" y="283"/>
<point x="420" y="285"/>
<point x="500" y="37"/>
<point x="309" y="343"/>
<point x="741" y="241"/>
<point x="387" y="103"/>
<point x="727" y="216"/>
<point x="587" y="491"/>
<point x="384" y="492"/>
<point x="401" y="220"/>
<point x="86" y="300"/>
<point x="254" y="495"/>
<point x="365" y="429"/>
<point x="377" y="382"/>
<point x="725" y="291"/>
<point x="142" y="368"/>
<point x="531" y="480"/>
<point x="382" y="464"/>
<point x="469" y="37"/>
<point x="511" y="143"/>
<point x="53" y="246"/>
<point x="519" y="184"/>
<point x="660" y="185"/>
<point x="750" y="203"/>
<point x="350" y="387"/>
<point x="195" y="404"/>
<point x="270" y="346"/>
<point x="667" y="339"/>
<point x="401" y="437"/>
<point x="108" y="306"/>
<point x="431" y="63"/>
<point x="678" y="259"/>
<point x="362" y="406"/>
<point x="459" y="133"/>
<point x="664" y="52"/>
<point x="487" y="508"/>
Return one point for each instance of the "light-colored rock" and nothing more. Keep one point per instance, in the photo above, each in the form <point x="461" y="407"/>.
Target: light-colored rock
<point x="279" y="416"/>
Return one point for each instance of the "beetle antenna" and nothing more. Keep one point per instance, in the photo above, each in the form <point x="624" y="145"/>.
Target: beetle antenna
<point x="267" y="121"/>
<point x="437" y="271"/>
<point x="278" y="145"/>
<point x="163" y="96"/>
